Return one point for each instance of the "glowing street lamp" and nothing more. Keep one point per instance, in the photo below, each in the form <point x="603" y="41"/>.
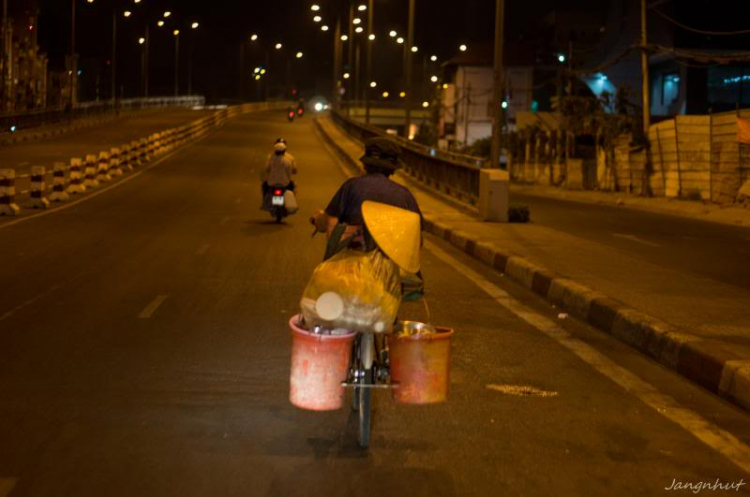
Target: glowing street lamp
<point x="315" y="7"/>
<point x="195" y="25"/>
<point x="434" y="79"/>
<point x="278" y="46"/>
<point x="415" y="49"/>
<point x="425" y="104"/>
<point x="362" y="8"/>
<point x="127" y="13"/>
<point x="141" y="41"/>
<point x="463" y="48"/>
<point x="371" y="37"/>
<point x="359" y="29"/>
<point x="373" y="84"/>
<point x="347" y="75"/>
<point x="344" y="37"/>
<point x="357" y="21"/>
<point x="400" y="40"/>
<point x="253" y="37"/>
<point x="160" y="23"/>
<point x="433" y="58"/>
<point x="317" y="19"/>
<point x="393" y="34"/>
<point x="300" y="55"/>
<point x="324" y="28"/>
<point x="167" y="14"/>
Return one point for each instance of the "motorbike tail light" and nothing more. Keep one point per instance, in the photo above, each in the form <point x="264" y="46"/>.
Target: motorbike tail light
<point x="291" y="114"/>
<point x="277" y="192"/>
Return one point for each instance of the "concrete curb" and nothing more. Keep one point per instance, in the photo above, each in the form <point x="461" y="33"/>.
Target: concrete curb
<point x="702" y="361"/>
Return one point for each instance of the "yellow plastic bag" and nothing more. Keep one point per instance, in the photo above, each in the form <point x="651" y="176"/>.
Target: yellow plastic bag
<point x="353" y="290"/>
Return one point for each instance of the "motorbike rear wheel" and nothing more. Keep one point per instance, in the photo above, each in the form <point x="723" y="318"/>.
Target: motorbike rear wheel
<point x="364" y="407"/>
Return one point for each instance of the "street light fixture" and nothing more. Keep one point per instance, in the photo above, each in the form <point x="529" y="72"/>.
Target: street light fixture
<point x="433" y="58"/>
<point x="359" y="29"/>
<point x="324" y="28"/>
<point x="362" y="8"/>
<point x="278" y="46"/>
<point x="317" y="19"/>
<point x="167" y="14"/>
<point x="393" y="34"/>
<point x="434" y="79"/>
<point x="400" y="40"/>
<point x="253" y="37"/>
<point x="141" y="40"/>
<point x="463" y="48"/>
<point x="347" y="75"/>
<point x="371" y="37"/>
<point x="356" y="21"/>
<point x="415" y="49"/>
<point x="195" y="25"/>
<point x="127" y="13"/>
<point x="373" y="84"/>
<point x="344" y="38"/>
<point x="315" y="7"/>
<point x="300" y="55"/>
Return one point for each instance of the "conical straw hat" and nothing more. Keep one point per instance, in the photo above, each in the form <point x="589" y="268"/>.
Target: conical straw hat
<point x="396" y="231"/>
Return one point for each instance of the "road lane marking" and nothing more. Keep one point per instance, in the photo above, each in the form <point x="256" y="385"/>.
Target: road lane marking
<point x="522" y="390"/>
<point x="29" y="302"/>
<point x="151" y="308"/>
<point x="634" y="238"/>
<point x="6" y="486"/>
<point x="711" y="435"/>
<point x="203" y="249"/>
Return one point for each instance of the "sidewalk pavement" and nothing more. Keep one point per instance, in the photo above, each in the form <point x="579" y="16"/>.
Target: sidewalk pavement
<point x="697" y="326"/>
<point x="734" y="215"/>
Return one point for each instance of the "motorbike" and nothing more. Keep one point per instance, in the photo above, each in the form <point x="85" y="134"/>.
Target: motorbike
<point x="277" y="202"/>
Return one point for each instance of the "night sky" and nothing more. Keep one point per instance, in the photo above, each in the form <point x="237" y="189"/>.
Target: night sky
<point x="441" y="26"/>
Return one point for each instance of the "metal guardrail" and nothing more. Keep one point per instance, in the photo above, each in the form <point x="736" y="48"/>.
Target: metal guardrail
<point x="451" y="173"/>
<point x="72" y="177"/>
<point x="10" y="123"/>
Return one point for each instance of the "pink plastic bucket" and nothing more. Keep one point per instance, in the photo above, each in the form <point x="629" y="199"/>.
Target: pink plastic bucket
<point x="319" y="364"/>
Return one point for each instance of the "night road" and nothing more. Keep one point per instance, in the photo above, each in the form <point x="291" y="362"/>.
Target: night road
<point x="144" y="351"/>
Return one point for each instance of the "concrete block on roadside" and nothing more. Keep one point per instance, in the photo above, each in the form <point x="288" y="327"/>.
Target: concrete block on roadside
<point x="735" y="382"/>
<point x="58" y="184"/>
<point x="522" y="271"/>
<point x="37" y="188"/>
<point x="8" y="206"/>
<point x="77" y="176"/>
<point x="114" y="162"/>
<point x="102" y="172"/>
<point x="493" y="195"/>
<point x="90" y="172"/>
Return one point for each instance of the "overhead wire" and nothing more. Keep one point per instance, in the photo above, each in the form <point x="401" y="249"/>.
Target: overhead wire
<point x="701" y="31"/>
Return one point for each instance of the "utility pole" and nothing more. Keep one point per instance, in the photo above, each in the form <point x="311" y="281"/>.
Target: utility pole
<point x="368" y="71"/>
<point x="72" y="52"/>
<point x="114" y="56"/>
<point x="409" y="46"/>
<point x="242" y="69"/>
<point x="177" y="63"/>
<point x="336" y="64"/>
<point x="644" y="72"/>
<point x="350" y="58"/>
<point x="497" y="101"/>
<point x="5" y="61"/>
<point x="145" y="62"/>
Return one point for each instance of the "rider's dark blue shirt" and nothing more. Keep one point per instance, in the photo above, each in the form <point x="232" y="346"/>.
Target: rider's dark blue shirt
<point x="346" y="205"/>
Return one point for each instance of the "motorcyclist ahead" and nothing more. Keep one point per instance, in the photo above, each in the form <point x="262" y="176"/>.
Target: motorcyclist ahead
<point x="279" y="168"/>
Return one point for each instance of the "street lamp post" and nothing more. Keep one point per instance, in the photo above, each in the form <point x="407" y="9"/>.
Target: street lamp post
<point x="176" y="62"/>
<point x="72" y="68"/>
<point x="368" y="71"/>
<point x="350" y="58"/>
<point x="497" y="101"/>
<point x="409" y="45"/>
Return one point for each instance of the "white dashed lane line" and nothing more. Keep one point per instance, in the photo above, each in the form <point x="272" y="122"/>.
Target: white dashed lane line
<point x="714" y="437"/>
<point x="152" y="307"/>
<point x="634" y="238"/>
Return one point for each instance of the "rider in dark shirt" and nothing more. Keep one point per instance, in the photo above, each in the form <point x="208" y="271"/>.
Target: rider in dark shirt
<point x="381" y="160"/>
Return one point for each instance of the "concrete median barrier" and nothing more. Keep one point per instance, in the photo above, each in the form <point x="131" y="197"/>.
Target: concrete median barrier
<point x="37" y="188"/>
<point x="90" y="171"/>
<point x="58" y="184"/>
<point x="8" y="206"/>
<point x="102" y="171"/>
<point x="77" y="177"/>
<point x="114" y="162"/>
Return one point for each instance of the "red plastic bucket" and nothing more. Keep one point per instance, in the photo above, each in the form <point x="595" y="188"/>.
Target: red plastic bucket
<point x="319" y="364"/>
<point x="420" y="364"/>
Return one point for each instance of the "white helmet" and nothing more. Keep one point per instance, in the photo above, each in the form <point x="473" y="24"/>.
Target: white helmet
<point x="280" y="147"/>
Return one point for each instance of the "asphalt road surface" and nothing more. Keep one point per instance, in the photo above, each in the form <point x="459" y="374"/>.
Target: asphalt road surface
<point x="144" y="351"/>
<point x="717" y="251"/>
